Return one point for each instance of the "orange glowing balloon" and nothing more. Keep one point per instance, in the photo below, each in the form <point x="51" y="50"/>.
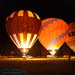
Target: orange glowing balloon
<point x="53" y="33"/>
<point x="23" y="27"/>
<point x="71" y="36"/>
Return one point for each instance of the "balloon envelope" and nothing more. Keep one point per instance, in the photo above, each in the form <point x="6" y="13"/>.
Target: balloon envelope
<point x="23" y="27"/>
<point x="71" y="36"/>
<point x="53" y="33"/>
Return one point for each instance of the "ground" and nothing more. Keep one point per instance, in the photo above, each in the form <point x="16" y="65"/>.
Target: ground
<point x="37" y="66"/>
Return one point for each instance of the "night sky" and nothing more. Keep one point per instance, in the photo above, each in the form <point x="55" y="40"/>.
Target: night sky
<point x="63" y="9"/>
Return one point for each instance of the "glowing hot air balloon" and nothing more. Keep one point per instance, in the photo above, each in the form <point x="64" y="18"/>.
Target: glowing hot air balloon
<point x="71" y="36"/>
<point x="53" y="34"/>
<point x="23" y="27"/>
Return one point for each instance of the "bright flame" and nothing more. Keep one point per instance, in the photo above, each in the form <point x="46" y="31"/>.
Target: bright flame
<point x="25" y="51"/>
<point x="53" y="47"/>
<point x="53" y="52"/>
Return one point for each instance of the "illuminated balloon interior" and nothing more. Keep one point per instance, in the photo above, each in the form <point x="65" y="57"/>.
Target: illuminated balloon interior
<point x="53" y="34"/>
<point x="23" y="27"/>
<point x="24" y="42"/>
<point x="52" y="52"/>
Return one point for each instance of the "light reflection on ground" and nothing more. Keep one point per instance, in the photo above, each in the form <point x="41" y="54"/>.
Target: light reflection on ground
<point x="36" y="59"/>
<point x="39" y="65"/>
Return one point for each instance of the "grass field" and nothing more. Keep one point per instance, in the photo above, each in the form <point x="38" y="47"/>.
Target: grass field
<point x="38" y="66"/>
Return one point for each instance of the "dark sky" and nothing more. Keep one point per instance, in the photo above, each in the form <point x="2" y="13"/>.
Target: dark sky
<point x="63" y="9"/>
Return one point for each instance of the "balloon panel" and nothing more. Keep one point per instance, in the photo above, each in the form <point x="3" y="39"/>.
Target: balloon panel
<point x="22" y="40"/>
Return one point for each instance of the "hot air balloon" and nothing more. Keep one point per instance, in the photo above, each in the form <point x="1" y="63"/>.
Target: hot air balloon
<point x="71" y="36"/>
<point x="23" y="27"/>
<point x="53" y="34"/>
